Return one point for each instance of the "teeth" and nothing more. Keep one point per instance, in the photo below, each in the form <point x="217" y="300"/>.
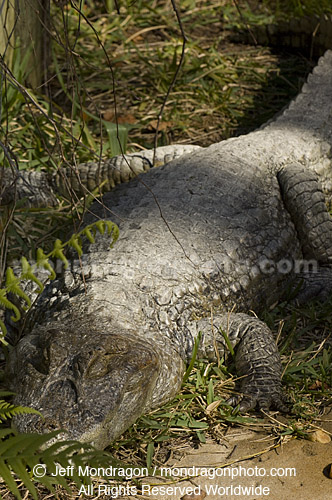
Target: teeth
<point x="235" y="287"/>
<point x="216" y="299"/>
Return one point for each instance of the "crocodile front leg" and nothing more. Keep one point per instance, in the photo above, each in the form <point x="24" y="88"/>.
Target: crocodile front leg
<point x="257" y="360"/>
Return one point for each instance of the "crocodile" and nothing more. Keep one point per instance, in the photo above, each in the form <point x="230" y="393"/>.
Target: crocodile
<point x="312" y="35"/>
<point x="204" y="240"/>
<point x="42" y="189"/>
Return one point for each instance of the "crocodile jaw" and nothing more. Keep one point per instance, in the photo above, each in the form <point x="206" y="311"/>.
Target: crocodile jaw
<point x="92" y="392"/>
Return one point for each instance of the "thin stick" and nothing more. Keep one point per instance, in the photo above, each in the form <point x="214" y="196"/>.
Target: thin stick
<point x="245" y="22"/>
<point x="184" y="38"/>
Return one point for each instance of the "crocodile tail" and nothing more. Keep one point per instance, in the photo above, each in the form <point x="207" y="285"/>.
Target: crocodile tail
<point x="35" y="188"/>
<point x="312" y="35"/>
<point x="40" y="189"/>
<point x="105" y="175"/>
<point x="311" y="110"/>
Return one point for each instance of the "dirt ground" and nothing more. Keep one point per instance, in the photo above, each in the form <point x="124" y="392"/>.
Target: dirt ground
<point x="299" y="466"/>
<point x="297" y="469"/>
<point x="245" y="464"/>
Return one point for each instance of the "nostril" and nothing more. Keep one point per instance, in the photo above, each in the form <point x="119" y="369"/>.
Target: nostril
<point x="76" y="366"/>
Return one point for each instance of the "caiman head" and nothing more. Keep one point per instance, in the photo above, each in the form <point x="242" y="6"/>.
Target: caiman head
<point x="91" y="384"/>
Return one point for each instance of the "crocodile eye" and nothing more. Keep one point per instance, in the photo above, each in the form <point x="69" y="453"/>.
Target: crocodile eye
<point x="98" y="366"/>
<point x="103" y="362"/>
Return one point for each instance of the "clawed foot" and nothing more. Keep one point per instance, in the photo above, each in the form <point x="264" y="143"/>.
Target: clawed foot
<point x="261" y="394"/>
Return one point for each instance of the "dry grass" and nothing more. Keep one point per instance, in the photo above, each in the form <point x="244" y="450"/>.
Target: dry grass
<point x="222" y="89"/>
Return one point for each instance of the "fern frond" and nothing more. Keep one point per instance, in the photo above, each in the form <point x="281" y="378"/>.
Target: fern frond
<point x="4" y="301"/>
<point x="43" y="262"/>
<point x="3" y="333"/>
<point x="24" y="456"/>
<point x="27" y="274"/>
<point x="8" y="410"/>
<point x="57" y="252"/>
<point x="13" y="286"/>
<point x="76" y="243"/>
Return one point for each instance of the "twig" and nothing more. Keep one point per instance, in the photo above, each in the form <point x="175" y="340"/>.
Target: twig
<point x="170" y="88"/>
<point x="245" y="23"/>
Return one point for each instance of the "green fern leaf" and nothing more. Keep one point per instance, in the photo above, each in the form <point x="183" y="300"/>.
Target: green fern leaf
<point x="57" y="252"/>
<point x="7" y="476"/>
<point x="100" y="225"/>
<point x="18" y="456"/>
<point x="3" y="333"/>
<point x="3" y="434"/>
<point x="9" y="305"/>
<point x="43" y="261"/>
<point x="8" y="410"/>
<point x="27" y="273"/>
<point x="19" y="453"/>
<point x="89" y="235"/>
<point x="112" y="230"/>
<point x="19" y="468"/>
<point x="75" y="242"/>
<point x="13" y="286"/>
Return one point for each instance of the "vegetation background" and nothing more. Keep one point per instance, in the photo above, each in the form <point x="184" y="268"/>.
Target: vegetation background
<point x="125" y="75"/>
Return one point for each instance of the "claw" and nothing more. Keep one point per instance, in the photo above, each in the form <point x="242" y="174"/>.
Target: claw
<point x="255" y="397"/>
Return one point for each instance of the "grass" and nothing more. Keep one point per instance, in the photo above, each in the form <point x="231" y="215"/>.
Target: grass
<point x="122" y="74"/>
<point x="218" y="78"/>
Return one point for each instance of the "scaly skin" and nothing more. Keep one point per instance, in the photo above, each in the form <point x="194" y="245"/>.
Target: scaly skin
<point x="40" y="189"/>
<point x="155" y="286"/>
<point x="310" y="34"/>
<point x="223" y="240"/>
<point x="216" y="229"/>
